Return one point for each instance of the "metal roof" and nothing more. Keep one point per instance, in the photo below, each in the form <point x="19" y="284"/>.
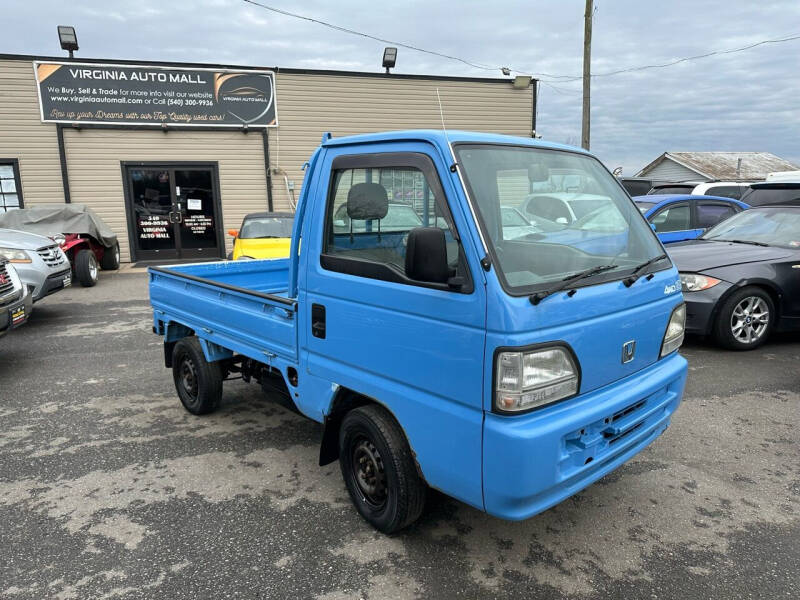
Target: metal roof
<point x="723" y="165"/>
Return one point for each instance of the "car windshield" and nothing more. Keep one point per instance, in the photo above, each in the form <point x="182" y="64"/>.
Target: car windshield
<point x="588" y="227"/>
<point x="778" y="226"/>
<point x="513" y="218"/>
<point x="773" y="193"/>
<point x="266" y="227"/>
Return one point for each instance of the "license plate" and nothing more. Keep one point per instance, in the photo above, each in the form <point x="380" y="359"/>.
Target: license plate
<point x="17" y="315"/>
<point x="67" y="280"/>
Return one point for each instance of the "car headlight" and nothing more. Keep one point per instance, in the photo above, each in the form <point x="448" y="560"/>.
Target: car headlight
<point x="15" y="256"/>
<point x="527" y="380"/>
<point x="692" y="282"/>
<point x="58" y="238"/>
<point x="676" y="328"/>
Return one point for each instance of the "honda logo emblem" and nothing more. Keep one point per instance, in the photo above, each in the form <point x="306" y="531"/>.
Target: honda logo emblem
<point x="628" y="351"/>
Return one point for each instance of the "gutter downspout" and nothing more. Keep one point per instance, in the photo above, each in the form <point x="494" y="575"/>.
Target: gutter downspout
<point x="62" y="157"/>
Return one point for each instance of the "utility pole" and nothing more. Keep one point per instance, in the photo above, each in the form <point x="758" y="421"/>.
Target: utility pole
<point x="587" y="78"/>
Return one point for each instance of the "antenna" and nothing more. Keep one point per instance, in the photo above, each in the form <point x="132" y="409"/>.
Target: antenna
<point x="441" y="114"/>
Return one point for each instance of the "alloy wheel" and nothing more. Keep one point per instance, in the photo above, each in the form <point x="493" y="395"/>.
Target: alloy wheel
<point x="750" y="319"/>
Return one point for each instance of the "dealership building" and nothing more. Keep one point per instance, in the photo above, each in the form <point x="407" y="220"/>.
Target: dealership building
<point x="172" y="154"/>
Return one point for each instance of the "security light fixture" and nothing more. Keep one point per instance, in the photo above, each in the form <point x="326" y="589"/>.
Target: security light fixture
<point x="505" y="71"/>
<point x="68" y="39"/>
<point x="521" y="82"/>
<point x="389" y="58"/>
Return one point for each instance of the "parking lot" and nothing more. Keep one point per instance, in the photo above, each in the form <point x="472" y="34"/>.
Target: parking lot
<point x="108" y="488"/>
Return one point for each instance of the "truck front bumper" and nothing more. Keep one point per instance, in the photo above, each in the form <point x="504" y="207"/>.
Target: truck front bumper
<point x="534" y="461"/>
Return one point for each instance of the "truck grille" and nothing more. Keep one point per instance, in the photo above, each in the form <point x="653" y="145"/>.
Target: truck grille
<point x="6" y="286"/>
<point x="52" y="256"/>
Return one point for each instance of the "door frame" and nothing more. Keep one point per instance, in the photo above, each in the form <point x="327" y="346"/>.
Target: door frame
<point x="212" y="166"/>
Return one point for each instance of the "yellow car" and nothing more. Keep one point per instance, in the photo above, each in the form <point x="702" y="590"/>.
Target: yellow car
<point x="263" y="235"/>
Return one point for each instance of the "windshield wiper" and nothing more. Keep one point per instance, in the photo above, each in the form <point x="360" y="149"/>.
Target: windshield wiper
<point x="568" y="281"/>
<point x="751" y="242"/>
<point x="631" y="279"/>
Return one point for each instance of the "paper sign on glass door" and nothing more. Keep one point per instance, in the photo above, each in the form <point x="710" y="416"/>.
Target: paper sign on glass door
<point x="195" y="204"/>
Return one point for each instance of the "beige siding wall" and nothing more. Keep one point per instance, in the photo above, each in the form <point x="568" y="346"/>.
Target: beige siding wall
<point x="308" y="105"/>
<point x="24" y="137"/>
<point x="95" y="173"/>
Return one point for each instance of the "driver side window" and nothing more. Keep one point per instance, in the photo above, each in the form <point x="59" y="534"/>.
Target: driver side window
<point x="672" y="218"/>
<point x="371" y="211"/>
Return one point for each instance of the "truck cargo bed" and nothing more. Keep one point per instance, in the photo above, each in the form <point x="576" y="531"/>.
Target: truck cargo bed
<point x="241" y="306"/>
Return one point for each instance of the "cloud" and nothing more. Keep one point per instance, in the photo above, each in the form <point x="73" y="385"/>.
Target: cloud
<point x="744" y="101"/>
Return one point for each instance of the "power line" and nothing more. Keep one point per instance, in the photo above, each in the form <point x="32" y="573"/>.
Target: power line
<point x="569" y="78"/>
<point x="540" y="76"/>
<point x="372" y="37"/>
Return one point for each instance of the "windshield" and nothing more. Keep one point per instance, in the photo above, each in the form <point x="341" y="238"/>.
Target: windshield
<point x="399" y="217"/>
<point x="786" y="193"/>
<point x="513" y="218"/>
<point x="773" y="226"/>
<point x="266" y="227"/>
<point x="587" y="227"/>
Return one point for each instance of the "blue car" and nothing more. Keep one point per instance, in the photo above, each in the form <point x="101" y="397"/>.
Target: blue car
<point x="680" y="217"/>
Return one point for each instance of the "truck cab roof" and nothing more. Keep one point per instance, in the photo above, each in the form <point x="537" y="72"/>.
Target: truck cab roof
<point x="440" y="138"/>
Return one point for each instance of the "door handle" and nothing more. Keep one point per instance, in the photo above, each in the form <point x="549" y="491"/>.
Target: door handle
<point x="318" y="321"/>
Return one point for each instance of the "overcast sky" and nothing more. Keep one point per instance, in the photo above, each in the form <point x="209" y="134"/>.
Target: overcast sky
<point x="748" y="101"/>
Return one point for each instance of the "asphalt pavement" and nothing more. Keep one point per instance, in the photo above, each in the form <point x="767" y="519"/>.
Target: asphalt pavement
<point x="109" y="489"/>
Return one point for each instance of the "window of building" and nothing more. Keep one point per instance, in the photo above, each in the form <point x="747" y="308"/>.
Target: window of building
<point x="370" y="212"/>
<point x="10" y="189"/>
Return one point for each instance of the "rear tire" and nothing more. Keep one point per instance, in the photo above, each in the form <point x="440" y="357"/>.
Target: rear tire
<point x="197" y="381"/>
<point x="379" y="470"/>
<point x="745" y="319"/>
<point x="110" y="260"/>
<point x="86" y="267"/>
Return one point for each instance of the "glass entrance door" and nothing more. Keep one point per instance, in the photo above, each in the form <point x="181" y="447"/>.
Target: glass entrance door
<point x="173" y="213"/>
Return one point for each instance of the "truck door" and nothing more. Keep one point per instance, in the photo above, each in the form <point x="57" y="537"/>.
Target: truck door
<point x="415" y="347"/>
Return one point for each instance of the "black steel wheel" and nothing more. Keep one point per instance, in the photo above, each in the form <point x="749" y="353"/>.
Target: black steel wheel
<point x="379" y="469"/>
<point x="198" y="382"/>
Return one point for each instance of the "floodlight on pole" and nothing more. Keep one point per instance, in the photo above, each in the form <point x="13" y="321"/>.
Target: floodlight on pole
<point x="389" y="58"/>
<point x="68" y="39"/>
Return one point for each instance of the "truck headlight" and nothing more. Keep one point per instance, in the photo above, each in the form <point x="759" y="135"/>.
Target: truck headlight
<point x="673" y="338"/>
<point x="693" y="282"/>
<point x="526" y="380"/>
<point x="15" y="256"/>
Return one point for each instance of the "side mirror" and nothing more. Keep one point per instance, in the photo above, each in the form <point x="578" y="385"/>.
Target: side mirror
<point x="426" y="255"/>
<point x="233" y="232"/>
<point x="339" y="223"/>
<point x="562" y="220"/>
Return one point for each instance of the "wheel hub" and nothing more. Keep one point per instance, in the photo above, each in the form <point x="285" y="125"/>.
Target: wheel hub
<point x="369" y="472"/>
<point x="750" y="319"/>
<point x="189" y="377"/>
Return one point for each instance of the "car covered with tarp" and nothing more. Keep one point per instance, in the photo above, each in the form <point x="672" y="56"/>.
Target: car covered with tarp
<point x="85" y="238"/>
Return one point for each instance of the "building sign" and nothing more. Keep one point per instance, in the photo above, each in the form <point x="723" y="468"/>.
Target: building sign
<point x="146" y="95"/>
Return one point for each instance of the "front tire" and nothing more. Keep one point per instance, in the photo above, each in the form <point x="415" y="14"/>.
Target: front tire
<point x="86" y="268"/>
<point x="745" y="320"/>
<point x="197" y="381"/>
<point x="379" y="469"/>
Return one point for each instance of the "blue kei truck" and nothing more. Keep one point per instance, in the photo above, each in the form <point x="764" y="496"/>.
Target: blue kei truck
<point x="437" y="346"/>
